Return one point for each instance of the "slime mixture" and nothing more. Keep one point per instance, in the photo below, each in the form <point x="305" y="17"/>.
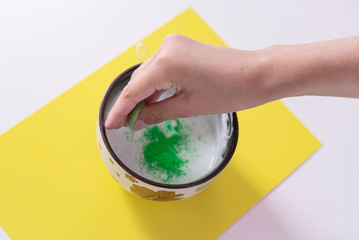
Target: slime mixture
<point x="173" y="152"/>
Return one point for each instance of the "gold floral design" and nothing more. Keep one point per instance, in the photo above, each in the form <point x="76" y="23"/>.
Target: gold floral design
<point x="111" y="161"/>
<point x="118" y="174"/>
<point x="131" y="178"/>
<point x="99" y="145"/>
<point x="156" y="196"/>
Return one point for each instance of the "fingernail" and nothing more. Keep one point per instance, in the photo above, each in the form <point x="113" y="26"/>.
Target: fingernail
<point x="107" y="124"/>
<point x="112" y="123"/>
<point x="139" y="124"/>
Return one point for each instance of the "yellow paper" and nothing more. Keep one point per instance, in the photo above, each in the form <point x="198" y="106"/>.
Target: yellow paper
<point x="53" y="184"/>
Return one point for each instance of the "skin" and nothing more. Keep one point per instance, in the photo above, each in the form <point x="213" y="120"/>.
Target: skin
<point x="211" y="79"/>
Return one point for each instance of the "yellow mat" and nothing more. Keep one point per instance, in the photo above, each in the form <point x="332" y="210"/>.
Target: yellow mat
<point x="53" y="184"/>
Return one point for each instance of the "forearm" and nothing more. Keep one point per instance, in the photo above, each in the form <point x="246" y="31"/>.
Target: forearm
<point x="329" y="68"/>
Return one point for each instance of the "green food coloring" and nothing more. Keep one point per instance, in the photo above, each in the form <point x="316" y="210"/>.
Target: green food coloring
<point x="162" y="149"/>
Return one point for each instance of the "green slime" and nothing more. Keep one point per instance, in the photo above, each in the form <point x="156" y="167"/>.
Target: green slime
<point x="162" y="149"/>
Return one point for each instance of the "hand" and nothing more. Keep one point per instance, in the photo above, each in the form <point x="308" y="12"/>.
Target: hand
<point x="211" y="79"/>
<point x="208" y="79"/>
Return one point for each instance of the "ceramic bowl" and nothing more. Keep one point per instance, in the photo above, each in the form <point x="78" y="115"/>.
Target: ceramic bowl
<point x="122" y="152"/>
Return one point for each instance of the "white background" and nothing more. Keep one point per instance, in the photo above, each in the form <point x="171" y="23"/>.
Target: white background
<point x="48" y="46"/>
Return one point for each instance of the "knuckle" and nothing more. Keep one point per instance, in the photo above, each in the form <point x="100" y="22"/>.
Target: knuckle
<point x="126" y="93"/>
<point x="168" y="60"/>
<point x="172" y="44"/>
<point x="174" y="37"/>
<point x="128" y="96"/>
<point x="161" y="65"/>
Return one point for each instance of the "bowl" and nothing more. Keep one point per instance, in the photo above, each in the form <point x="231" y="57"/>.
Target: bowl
<point x="169" y="161"/>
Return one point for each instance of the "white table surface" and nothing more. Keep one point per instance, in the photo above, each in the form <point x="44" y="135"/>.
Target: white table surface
<point x="48" y="46"/>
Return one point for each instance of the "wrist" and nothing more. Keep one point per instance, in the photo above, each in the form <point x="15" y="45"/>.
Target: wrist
<point x="281" y="76"/>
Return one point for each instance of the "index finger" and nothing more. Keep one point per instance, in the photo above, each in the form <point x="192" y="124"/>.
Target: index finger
<point x="139" y="88"/>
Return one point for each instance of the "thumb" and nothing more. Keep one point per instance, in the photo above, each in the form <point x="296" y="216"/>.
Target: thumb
<point x="157" y="112"/>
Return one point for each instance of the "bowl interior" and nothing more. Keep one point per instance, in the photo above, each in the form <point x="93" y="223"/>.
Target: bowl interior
<point x="176" y="152"/>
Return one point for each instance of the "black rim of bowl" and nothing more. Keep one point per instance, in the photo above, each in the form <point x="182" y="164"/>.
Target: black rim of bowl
<point x="200" y="181"/>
